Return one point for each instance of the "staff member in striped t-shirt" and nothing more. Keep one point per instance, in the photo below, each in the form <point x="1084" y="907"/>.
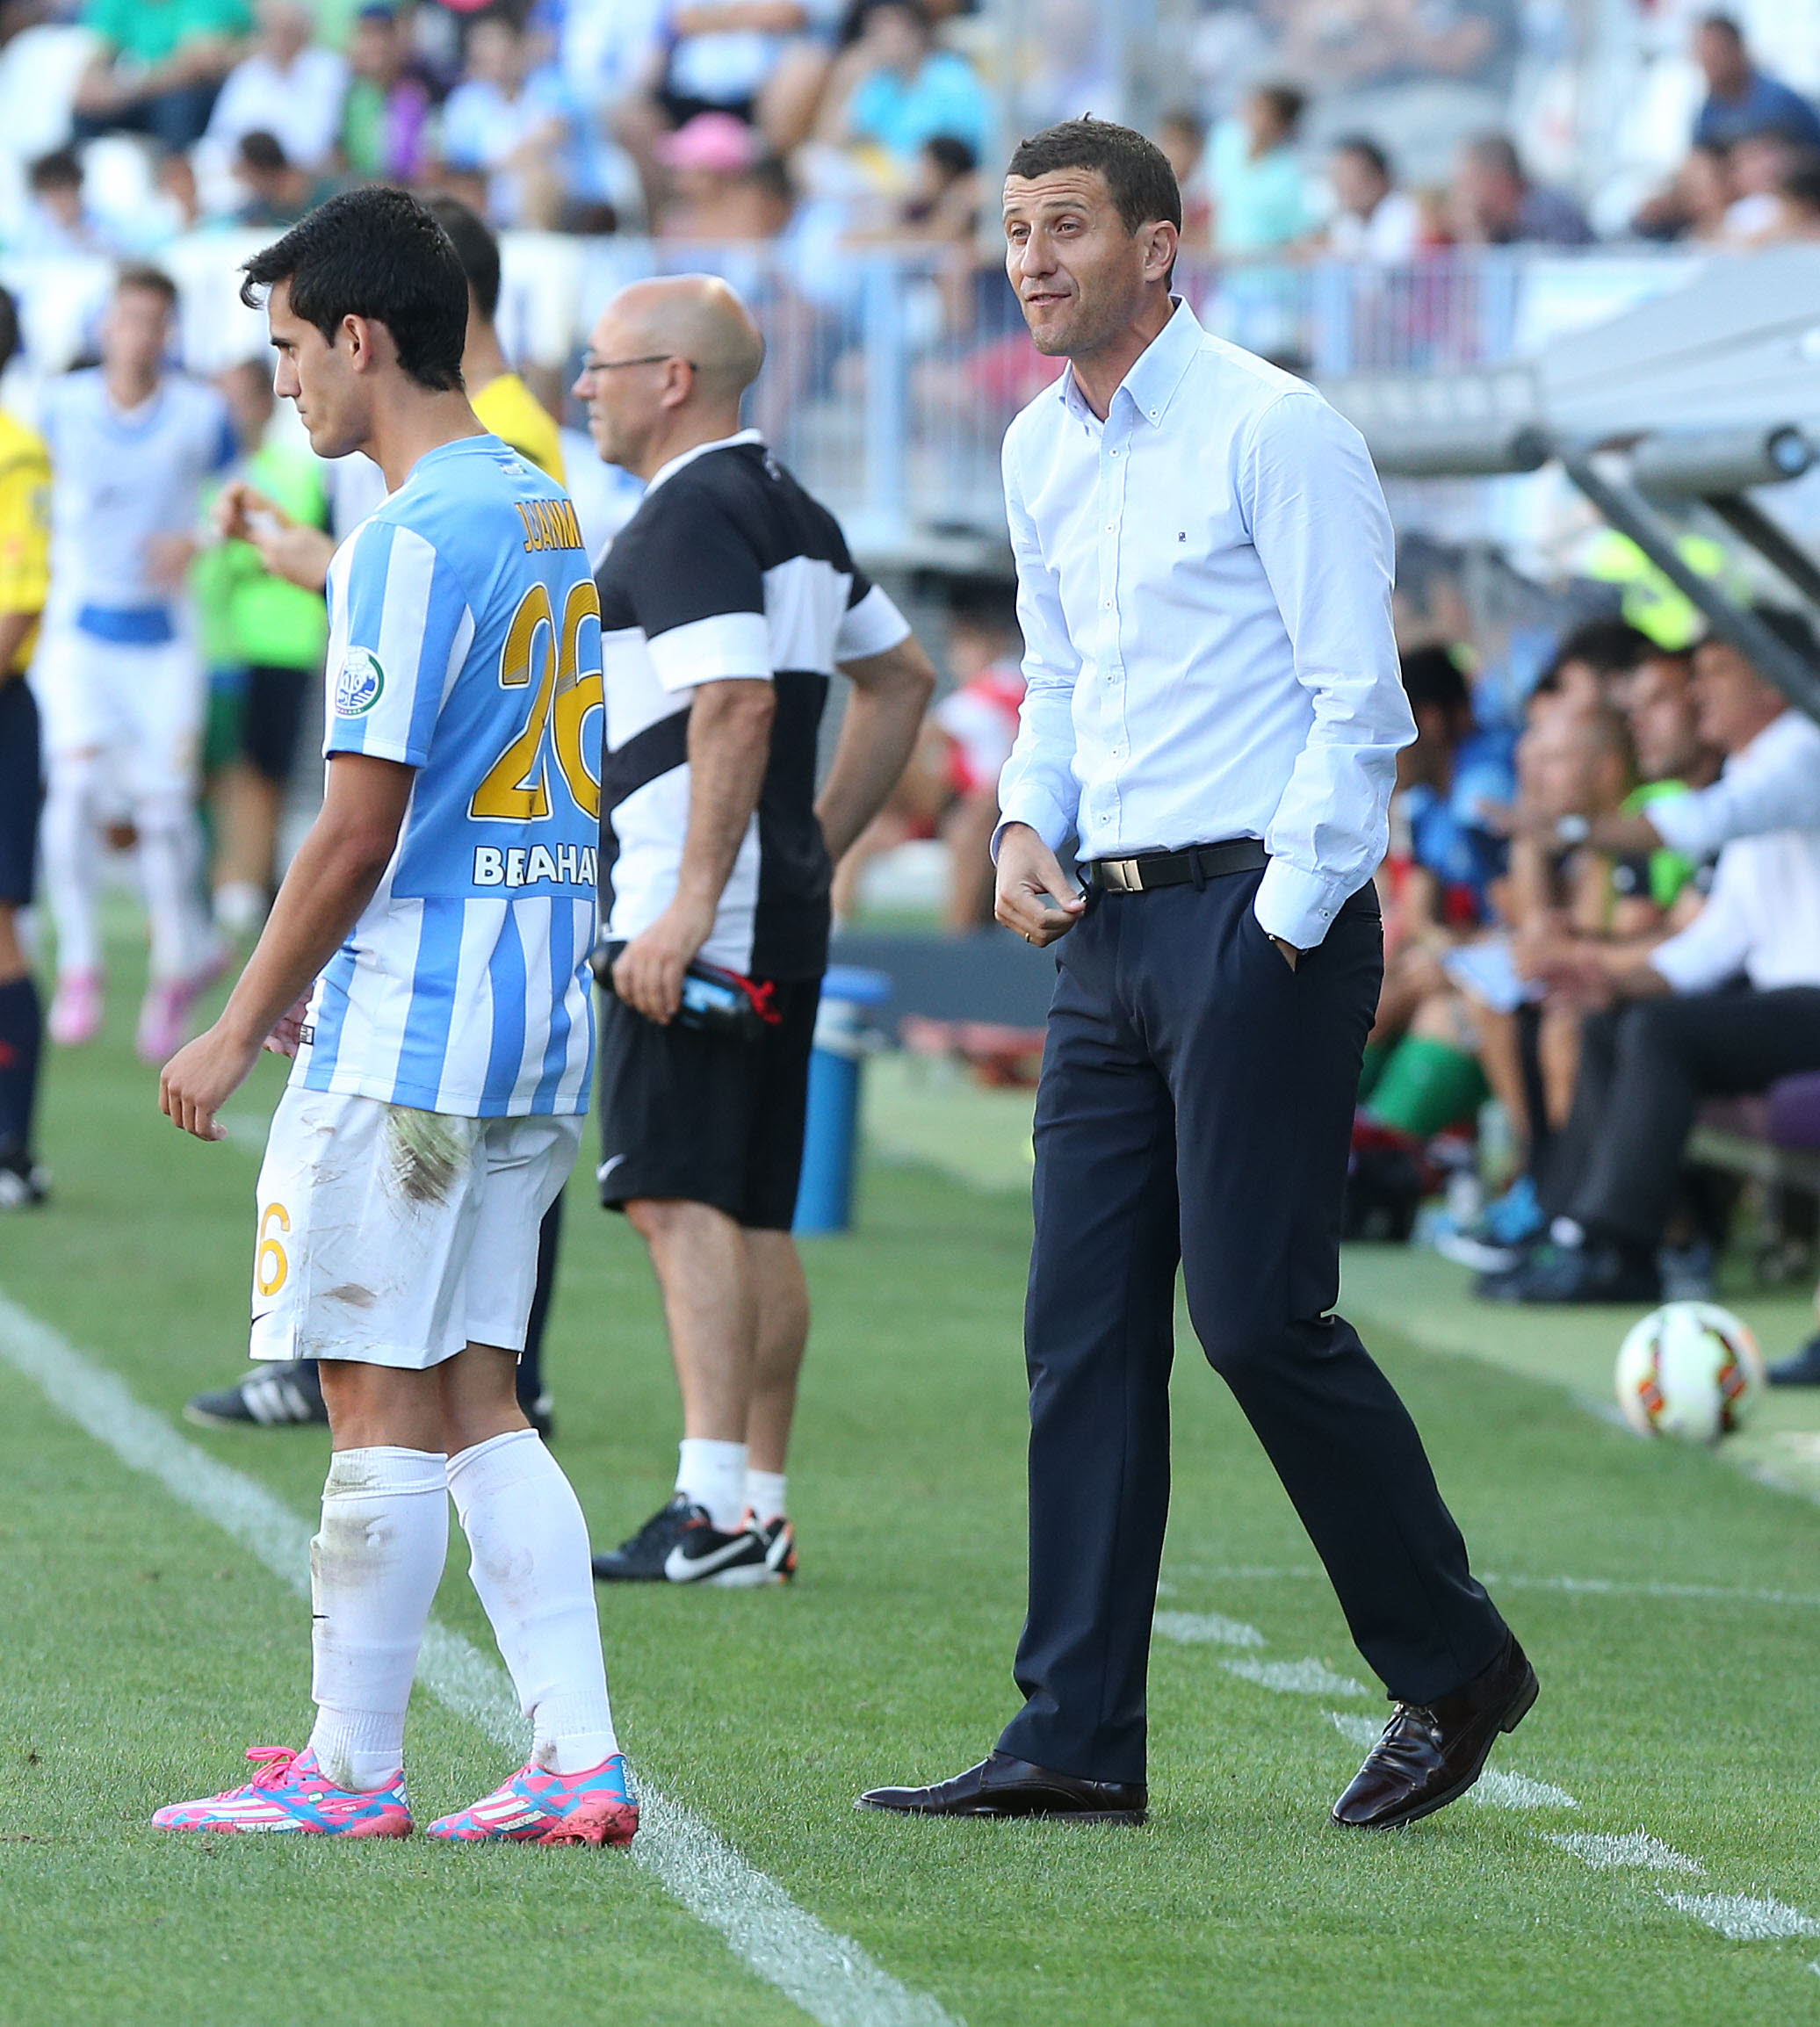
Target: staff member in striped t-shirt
<point x="727" y="602"/>
<point x="443" y="903"/>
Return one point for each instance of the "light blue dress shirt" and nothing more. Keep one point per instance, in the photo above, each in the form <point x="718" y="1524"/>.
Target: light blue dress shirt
<point x="1204" y="590"/>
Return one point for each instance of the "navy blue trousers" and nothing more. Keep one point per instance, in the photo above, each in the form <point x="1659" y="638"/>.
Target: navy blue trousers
<point x="1195" y="1111"/>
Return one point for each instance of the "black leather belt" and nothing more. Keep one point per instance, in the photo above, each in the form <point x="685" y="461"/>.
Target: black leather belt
<point x="1191" y="865"/>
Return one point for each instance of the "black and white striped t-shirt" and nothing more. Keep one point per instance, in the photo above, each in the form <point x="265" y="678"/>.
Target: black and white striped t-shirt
<point x="728" y="569"/>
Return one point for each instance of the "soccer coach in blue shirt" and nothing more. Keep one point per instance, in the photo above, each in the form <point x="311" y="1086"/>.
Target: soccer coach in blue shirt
<point x="1213" y="713"/>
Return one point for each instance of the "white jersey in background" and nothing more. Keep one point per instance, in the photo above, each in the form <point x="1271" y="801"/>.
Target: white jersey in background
<point x="120" y="479"/>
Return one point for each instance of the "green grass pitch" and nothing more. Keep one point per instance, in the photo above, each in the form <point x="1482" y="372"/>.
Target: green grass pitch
<point x="142" y="1650"/>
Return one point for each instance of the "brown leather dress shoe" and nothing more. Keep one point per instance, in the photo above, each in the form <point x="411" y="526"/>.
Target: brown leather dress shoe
<point x="1002" y="1786"/>
<point x="1432" y="1753"/>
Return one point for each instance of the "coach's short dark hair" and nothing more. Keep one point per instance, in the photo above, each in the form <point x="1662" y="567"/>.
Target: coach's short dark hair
<point x="9" y="328"/>
<point x="374" y="253"/>
<point x="1137" y="171"/>
<point x="475" y="247"/>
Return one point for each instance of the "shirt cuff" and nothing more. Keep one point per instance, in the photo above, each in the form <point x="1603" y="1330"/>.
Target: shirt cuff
<point x="1298" y="906"/>
<point x="1681" y="822"/>
<point x="1684" y="967"/>
<point x="1042" y="812"/>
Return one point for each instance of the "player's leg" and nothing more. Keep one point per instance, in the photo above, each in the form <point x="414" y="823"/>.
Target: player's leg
<point x="21" y="1016"/>
<point x="675" y="1110"/>
<point x="166" y="702"/>
<point x="357" y="1266"/>
<point x="76" y="737"/>
<point x="524" y="1525"/>
<point x="782" y="1336"/>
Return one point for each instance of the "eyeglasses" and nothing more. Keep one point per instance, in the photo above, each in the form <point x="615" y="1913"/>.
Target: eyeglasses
<point x="644" y="359"/>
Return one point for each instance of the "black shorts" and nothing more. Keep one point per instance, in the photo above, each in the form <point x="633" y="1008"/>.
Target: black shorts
<point x="21" y="791"/>
<point x="271" y="717"/>
<point x="707" y="1118"/>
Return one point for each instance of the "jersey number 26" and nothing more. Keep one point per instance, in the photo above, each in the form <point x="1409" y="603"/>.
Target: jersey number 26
<point x="516" y="787"/>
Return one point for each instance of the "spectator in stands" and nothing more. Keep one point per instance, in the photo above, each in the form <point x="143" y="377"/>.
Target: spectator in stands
<point x="706" y="159"/>
<point x="1494" y="203"/>
<point x="892" y="89"/>
<point x="276" y="192"/>
<point x="286" y="86"/>
<point x="977" y="725"/>
<point x="1182" y="137"/>
<point x="1741" y="99"/>
<point x="59" y="221"/>
<point x="505" y="128"/>
<point x="384" y="130"/>
<point x="1679" y="1026"/>
<point x="158" y="67"/>
<point x="1798" y="196"/>
<point x="1694" y="204"/>
<point x="1373" y="220"/>
<point x="1260" y="196"/>
<point x="1594" y="665"/>
<point x="1759" y="163"/>
<point x="944" y="200"/>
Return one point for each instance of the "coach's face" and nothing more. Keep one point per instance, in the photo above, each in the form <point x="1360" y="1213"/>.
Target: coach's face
<point x="1081" y="274"/>
<point x="321" y="377"/>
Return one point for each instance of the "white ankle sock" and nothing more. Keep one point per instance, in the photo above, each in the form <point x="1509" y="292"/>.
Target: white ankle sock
<point x="714" y="1475"/>
<point x="374" y="1566"/>
<point x="529" y="1542"/>
<point x="764" y="1494"/>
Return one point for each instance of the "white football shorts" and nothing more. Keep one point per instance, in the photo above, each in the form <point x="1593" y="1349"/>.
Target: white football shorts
<point x="143" y="707"/>
<point x="396" y="1237"/>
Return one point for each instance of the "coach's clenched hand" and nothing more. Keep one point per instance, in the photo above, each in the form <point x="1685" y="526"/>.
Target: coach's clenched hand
<point x="648" y="975"/>
<point x="200" y="1079"/>
<point x="1033" y="896"/>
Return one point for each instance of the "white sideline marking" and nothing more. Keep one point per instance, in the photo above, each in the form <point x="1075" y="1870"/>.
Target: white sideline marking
<point x="1639" y="1850"/>
<point x="1297" y="1679"/>
<point x="831" y="1978"/>
<point x="1495" y="1789"/>
<point x="1742" y="1918"/>
<point x="1207" y="1628"/>
<point x="1590" y="1586"/>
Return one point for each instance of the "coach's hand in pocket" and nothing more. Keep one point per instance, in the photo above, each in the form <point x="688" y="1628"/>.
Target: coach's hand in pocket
<point x="1033" y="895"/>
<point x="648" y="975"/>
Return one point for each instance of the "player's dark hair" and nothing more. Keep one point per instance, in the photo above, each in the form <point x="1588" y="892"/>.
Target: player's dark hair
<point x="143" y="276"/>
<point x="1433" y="679"/>
<point x="1137" y="171"/>
<point x="1367" y="152"/>
<point x="9" y="327"/>
<point x="475" y="247"/>
<point x="374" y="253"/>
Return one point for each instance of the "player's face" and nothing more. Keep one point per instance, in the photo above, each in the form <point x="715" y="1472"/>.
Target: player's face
<point x="319" y="376"/>
<point x="136" y="333"/>
<point x="1079" y="272"/>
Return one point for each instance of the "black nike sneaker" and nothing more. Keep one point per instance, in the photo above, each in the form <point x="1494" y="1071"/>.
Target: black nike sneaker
<point x="779" y="1538"/>
<point x="23" y="1185"/>
<point x="680" y="1544"/>
<point x="285" y="1394"/>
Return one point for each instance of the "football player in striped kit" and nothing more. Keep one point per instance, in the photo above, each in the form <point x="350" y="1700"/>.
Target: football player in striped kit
<point x="439" y="917"/>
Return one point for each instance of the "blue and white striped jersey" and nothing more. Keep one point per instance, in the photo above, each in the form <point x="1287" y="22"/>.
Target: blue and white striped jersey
<point x="465" y="641"/>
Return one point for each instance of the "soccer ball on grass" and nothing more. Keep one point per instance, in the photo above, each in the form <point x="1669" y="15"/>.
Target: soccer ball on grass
<point x="1690" y="1370"/>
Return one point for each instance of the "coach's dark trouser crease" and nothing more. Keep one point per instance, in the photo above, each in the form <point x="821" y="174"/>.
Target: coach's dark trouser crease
<point x="1195" y="1107"/>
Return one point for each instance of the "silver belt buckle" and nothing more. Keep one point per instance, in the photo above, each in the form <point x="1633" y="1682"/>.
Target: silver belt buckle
<point x="1123" y="876"/>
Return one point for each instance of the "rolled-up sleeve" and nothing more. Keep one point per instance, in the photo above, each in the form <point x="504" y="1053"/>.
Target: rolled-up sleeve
<point x="1038" y="786"/>
<point x="1321" y="530"/>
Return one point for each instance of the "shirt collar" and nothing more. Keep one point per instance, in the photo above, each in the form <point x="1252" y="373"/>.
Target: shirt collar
<point x="677" y="463"/>
<point x="1154" y="375"/>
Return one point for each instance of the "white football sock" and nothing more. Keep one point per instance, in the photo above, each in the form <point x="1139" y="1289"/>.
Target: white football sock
<point x="764" y="1494"/>
<point x="530" y="1568"/>
<point x="72" y="853"/>
<point x="170" y="872"/>
<point x="714" y="1475"/>
<point x="374" y="1566"/>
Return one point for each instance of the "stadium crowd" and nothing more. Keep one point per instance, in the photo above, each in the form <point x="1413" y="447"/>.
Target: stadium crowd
<point x="1560" y="903"/>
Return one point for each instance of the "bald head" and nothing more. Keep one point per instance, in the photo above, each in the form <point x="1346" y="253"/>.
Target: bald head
<point x="697" y="318"/>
